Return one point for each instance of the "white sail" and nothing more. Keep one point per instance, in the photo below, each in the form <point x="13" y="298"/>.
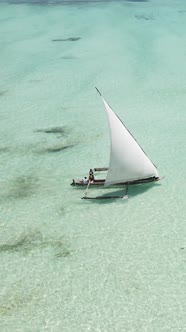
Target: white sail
<point x="128" y="162"/>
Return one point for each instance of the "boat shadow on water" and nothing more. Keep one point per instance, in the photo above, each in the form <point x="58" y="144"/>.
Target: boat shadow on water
<point x="120" y="193"/>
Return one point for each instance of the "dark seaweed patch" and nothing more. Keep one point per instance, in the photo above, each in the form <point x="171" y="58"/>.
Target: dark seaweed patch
<point x="24" y="243"/>
<point x="59" y="148"/>
<point x="144" y="17"/>
<point x="56" y="147"/>
<point x="35" y="241"/>
<point x="64" y="253"/>
<point x="52" y="130"/>
<point x="68" y="57"/>
<point x="2" y="93"/>
<point x="4" y="149"/>
<point x="137" y="0"/>
<point x="66" y="39"/>
<point x="53" y="148"/>
<point x="22" y="186"/>
<point x="16" y="298"/>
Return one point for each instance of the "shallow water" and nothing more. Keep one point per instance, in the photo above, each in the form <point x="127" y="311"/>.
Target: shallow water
<point x="73" y="265"/>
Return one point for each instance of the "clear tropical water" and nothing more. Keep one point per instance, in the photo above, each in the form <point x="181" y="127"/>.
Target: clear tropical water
<point x="72" y="265"/>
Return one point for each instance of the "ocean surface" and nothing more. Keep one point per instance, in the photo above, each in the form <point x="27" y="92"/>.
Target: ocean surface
<point x="72" y="265"/>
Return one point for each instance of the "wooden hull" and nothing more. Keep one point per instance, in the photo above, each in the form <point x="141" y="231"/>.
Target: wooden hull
<point x="101" y="182"/>
<point x="84" y="184"/>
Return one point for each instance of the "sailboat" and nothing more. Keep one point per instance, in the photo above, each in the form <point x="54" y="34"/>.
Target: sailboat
<point x="128" y="164"/>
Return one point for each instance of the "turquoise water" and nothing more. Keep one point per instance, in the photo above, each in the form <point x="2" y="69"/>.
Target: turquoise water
<point x="72" y="265"/>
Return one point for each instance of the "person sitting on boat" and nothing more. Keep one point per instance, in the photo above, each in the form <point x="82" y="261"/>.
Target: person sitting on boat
<point x="91" y="175"/>
<point x="85" y="180"/>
